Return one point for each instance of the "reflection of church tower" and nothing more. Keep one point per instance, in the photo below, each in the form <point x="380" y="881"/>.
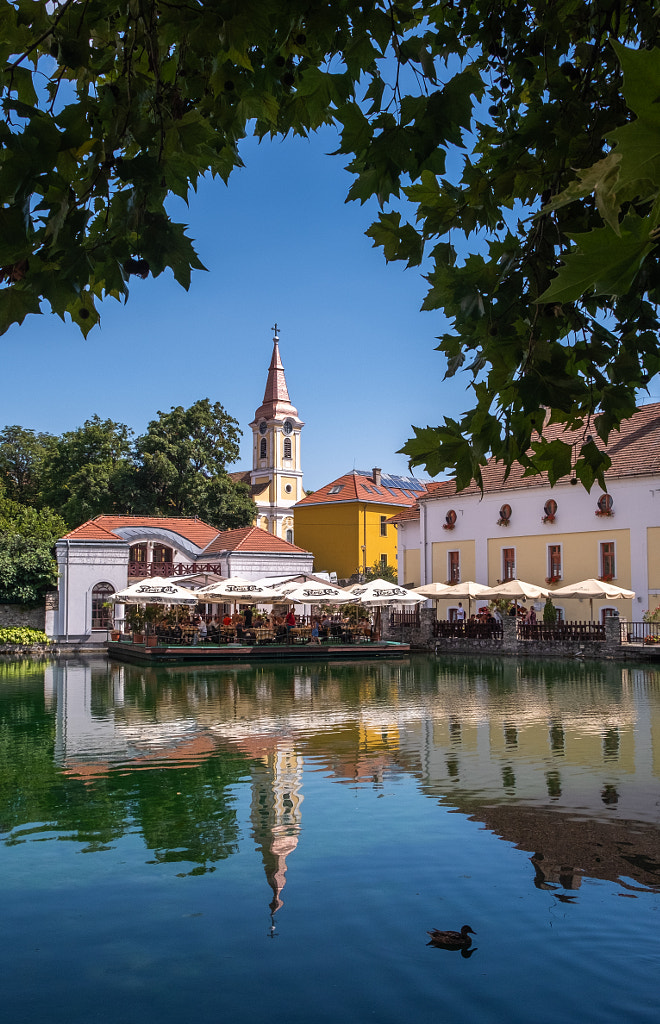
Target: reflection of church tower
<point x="276" y="800"/>
<point x="276" y="475"/>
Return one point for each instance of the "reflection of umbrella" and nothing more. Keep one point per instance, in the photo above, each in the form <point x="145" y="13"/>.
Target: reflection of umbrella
<point x="594" y="589"/>
<point x="380" y="592"/>
<point x="236" y="589"/>
<point x="318" y="593"/>
<point x="155" y="590"/>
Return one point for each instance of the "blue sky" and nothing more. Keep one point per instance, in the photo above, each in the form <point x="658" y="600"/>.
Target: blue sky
<point x="280" y="245"/>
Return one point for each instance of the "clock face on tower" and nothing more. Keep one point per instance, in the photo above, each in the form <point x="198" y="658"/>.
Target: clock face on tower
<point x="288" y="427"/>
<point x="263" y="427"/>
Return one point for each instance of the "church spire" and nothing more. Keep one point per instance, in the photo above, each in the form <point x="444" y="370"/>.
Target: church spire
<point x="276" y="401"/>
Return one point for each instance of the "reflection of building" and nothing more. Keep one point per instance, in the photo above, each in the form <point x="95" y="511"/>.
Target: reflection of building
<point x="521" y="527"/>
<point x="562" y="761"/>
<point x="275" y="814"/>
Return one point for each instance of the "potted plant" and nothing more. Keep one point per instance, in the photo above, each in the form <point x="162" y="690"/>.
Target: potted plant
<point x="135" y="620"/>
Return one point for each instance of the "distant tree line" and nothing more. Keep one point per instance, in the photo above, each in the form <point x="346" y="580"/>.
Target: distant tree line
<point x="50" y="483"/>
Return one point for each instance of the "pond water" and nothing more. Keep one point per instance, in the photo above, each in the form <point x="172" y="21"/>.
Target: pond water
<point x="274" y="842"/>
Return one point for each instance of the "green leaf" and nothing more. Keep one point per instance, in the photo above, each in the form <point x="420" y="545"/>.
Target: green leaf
<point x="15" y="304"/>
<point x="602" y="262"/>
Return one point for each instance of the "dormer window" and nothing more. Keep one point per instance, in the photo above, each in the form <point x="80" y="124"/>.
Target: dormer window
<point x="336" y="489"/>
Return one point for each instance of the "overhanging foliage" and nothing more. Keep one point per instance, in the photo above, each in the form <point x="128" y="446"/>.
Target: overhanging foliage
<point x="513" y="149"/>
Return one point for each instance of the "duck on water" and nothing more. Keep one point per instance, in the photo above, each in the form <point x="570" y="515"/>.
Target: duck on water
<point x="452" y="940"/>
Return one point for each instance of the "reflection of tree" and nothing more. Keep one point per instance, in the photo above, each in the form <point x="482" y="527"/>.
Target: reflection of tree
<point x="187" y="814"/>
<point x="183" y="815"/>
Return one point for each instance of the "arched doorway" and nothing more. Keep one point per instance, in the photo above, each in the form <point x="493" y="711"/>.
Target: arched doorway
<point x="102" y="616"/>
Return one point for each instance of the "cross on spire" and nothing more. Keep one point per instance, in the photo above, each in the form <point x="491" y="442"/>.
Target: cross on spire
<point x="274" y="330"/>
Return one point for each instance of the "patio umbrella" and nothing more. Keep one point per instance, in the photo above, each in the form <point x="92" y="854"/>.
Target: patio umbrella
<point x="319" y="593"/>
<point x="465" y="592"/>
<point x="238" y="590"/>
<point x="598" y="589"/>
<point x="515" y="590"/>
<point x="431" y="590"/>
<point x="381" y="592"/>
<point x="155" y="590"/>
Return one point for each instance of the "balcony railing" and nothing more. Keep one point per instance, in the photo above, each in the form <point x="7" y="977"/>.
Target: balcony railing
<point x="143" y="570"/>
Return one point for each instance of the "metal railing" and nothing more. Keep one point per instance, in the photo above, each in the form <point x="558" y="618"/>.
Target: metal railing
<point x="640" y="633"/>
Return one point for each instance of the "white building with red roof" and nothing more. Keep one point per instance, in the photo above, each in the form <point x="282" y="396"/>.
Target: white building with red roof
<point x="522" y="527"/>
<point x="105" y="554"/>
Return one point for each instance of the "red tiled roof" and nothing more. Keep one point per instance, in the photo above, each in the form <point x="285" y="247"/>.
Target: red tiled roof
<point x="91" y="530"/>
<point x="251" y="538"/>
<point x="634" y="451"/>
<point x="196" y="531"/>
<point x="358" y="487"/>
<point x="243" y="476"/>
<point x="405" y="515"/>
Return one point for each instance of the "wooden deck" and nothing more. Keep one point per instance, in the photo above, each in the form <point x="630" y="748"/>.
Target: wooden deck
<point x="226" y="654"/>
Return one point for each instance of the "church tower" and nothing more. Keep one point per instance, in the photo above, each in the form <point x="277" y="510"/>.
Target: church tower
<point x="276" y="476"/>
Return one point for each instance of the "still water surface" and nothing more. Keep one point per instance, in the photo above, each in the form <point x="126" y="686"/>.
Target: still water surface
<point x="272" y="843"/>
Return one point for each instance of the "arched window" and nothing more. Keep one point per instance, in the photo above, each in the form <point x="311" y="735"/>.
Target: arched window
<point x="102" y="617"/>
<point x="262" y="448"/>
<point x="138" y="553"/>
<point x="287" y="448"/>
<point x="289" y="536"/>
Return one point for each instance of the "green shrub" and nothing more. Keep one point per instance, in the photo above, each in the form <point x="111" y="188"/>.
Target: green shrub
<point x="22" y="635"/>
<point x="549" y="612"/>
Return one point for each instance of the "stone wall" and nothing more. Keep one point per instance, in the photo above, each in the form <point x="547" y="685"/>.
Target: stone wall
<point x="34" y="617"/>
<point x="422" y="639"/>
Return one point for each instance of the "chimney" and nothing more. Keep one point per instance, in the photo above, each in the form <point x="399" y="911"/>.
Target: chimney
<point x="376" y="476"/>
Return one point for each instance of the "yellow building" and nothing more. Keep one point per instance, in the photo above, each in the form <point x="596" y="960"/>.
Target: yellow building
<point x="345" y="524"/>
<point x="553" y="536"/>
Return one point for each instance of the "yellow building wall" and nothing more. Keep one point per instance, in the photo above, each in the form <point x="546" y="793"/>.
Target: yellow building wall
<point x="653" y="539"/>
<point x="335" y="533"/>
<point x="265" y="493"/>
<point x="291" y="481"/>
<point x="411" y="567"/>
<point x="580" y="561"/>
<point x="440" y="560"/>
